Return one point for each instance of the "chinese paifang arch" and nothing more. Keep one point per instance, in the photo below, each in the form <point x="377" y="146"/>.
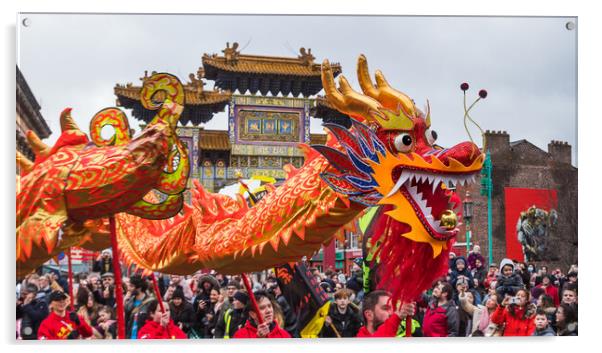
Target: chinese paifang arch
<point x="388" y="159"/>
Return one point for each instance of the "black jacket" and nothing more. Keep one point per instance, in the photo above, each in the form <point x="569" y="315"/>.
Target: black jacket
<point x="508" y="285"/>
<point x="100" y="299"/>
<point x="346" y="324"/>
<point x="138" y="314"/>
<point x="525" y="278"/>
<point x="290" y="318"/>
<point x="205" y="320"/>
<point x="183" y="314"/>
<point x="103" y="265"/>
<point x="238" y="318"/>
<point x="31" y="316"/>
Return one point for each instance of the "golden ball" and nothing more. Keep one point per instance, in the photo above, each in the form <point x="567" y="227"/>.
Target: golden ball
<point x="449" y="220"/>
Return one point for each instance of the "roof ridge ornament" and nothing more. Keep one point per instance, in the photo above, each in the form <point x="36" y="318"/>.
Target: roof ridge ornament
<point x="146" y="76"/>
<point x="231" y="54"/>
<point x="306" y="57"/>
<point x="196" y="83"/>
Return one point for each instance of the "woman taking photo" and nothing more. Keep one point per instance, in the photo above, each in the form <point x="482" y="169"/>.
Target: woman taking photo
<point x="481" y="314"/>
<point x="517" y="315"/>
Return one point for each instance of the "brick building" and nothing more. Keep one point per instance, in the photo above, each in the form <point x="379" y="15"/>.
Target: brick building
<point x="520" y="164"/>
<point x="28" y="117"/>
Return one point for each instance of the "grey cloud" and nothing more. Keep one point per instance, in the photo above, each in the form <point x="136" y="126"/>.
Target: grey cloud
<point x="528" y="65"/>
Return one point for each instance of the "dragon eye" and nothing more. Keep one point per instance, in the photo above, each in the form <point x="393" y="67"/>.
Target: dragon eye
<point x="431" y="136"/>
<point x="403" y="142"/>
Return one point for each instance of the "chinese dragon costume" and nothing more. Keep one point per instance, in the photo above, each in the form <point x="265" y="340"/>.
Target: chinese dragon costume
<point x="388" y="159"/>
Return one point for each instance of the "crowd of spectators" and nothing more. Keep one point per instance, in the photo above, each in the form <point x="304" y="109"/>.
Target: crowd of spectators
<point x="474" y="299"/>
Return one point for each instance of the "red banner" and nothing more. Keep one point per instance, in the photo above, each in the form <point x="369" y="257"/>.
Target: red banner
<point x="80" y="255"/>
<point x="329" y="258"/>
<point x="519" y="200"/>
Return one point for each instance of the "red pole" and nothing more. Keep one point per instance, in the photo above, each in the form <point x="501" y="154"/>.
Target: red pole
<point x="118" y="284"/>
<point x="70" y="276"/>
<point x="245" y="280"/>
<point x="158" y="295"/>
<point x="408" y="326"/>
<point x="157" y="292"/>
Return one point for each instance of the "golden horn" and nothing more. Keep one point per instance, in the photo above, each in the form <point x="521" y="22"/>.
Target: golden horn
<point x="67" y="122"/>
<point x="346" y="100"/>
<point x="364" y="77"/>
<point x="428" y="114"/>
<point x="344" y="85"/>
<point x="389" y="97"/>
<point x="332" y="94"/>
<point x="24" y="163"/>
<point x="381" y="81"/>
<point x="38" y="147"/>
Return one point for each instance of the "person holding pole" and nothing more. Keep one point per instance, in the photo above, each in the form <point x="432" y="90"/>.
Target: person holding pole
<point x="343" y="320"/>
<point x="160" y="325"/>
<point x="261" y="324"/>
<point x="62" y="324"/>
<point x="380" y="317"/>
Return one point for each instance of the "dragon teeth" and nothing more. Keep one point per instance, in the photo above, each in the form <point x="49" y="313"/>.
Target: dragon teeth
<point x="404" y="177"/>
<point x="400" y="182"/>
<point x="434" y="180"/>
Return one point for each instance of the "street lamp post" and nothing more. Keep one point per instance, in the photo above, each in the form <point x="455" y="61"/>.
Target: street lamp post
<point x="467" y="218"/>
<point x="486" y="190"/>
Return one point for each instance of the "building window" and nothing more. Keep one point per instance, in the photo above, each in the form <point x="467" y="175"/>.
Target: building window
<point x="354" y="241"/>
<point x="338" y="245"/>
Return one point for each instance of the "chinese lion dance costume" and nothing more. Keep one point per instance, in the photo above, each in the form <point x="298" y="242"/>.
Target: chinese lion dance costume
<point x="387" y="159"/>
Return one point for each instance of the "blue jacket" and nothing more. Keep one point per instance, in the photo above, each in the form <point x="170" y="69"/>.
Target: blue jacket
<point x="456" y="273"/>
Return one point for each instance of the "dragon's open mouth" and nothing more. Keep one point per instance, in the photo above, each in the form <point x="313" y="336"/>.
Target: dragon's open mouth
<point x="429" y="196"/>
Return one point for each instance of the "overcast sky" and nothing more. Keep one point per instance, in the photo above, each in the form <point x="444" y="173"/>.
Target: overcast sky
<point x="528" y="65"/>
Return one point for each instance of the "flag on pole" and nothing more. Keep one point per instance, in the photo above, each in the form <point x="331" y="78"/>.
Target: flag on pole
<point x="304" y="294"/>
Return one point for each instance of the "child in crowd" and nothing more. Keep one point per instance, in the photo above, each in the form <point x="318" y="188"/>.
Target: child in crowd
<point x="508" y="282"/>
<point x="542" y="325"/>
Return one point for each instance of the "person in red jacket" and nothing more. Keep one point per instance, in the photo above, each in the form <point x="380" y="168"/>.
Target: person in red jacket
<point x="550" y="289"/>
<point x="441" y="318"/>
<point x="160" y="325"/>
<point x="61" y="324"/>
<point x="491" y="275"/>
<point x="517" y="315"/>
<point x="381" y="320"/>
<point x="269" y="328"/>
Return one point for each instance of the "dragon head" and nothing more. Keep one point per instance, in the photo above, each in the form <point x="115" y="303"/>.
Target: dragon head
<point x="389" y="157"/>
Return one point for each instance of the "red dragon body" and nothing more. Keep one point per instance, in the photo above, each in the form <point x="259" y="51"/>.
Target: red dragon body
<point x="387" y="159"/>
